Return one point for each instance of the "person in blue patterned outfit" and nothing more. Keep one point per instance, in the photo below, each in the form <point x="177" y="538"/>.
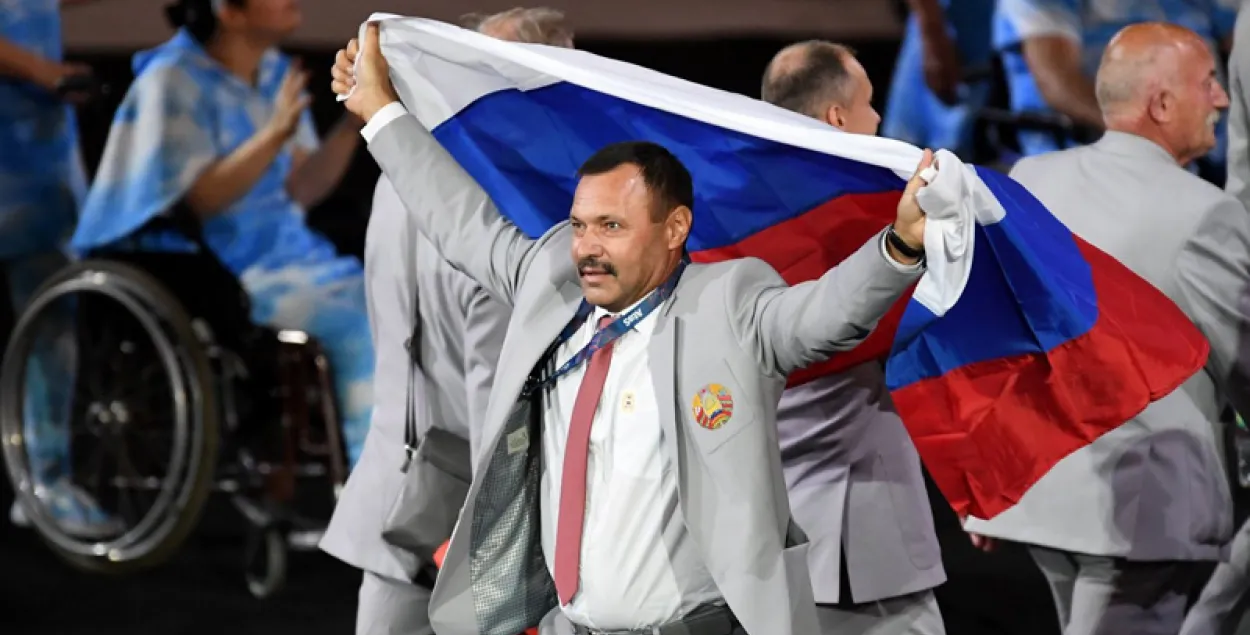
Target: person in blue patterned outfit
<point x="217" y="119"/>
<point x="930" y="105"/>
<point x="1051" y="49"/>
<point x="42" y="185"/>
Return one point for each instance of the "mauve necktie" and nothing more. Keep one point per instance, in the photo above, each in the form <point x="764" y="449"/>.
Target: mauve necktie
<point x="573" y="479"/>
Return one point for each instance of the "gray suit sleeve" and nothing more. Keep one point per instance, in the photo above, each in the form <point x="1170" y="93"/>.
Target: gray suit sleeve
<point x="451" y="208"/>
<point x="1238" y="182"/>
<point x="793" y="327"/>
<point x="1213" y="274"/>
<point x="485" y="324"/>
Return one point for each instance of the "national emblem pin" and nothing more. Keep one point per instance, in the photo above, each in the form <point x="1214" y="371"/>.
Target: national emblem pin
<point x="713" y="407"/>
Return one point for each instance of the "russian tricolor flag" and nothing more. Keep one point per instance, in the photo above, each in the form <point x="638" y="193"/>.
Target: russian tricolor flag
<point x="1021" y="344"/>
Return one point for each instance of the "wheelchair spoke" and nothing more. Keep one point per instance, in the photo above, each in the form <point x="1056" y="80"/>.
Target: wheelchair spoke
<point x="156" y="457"/>
<point x="150" y="375"/>
<point x="130" y="479"/>
<point x="95" y="467"/>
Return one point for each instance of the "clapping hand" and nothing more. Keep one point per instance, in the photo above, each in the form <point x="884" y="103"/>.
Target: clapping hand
<point x="290" y="103"/>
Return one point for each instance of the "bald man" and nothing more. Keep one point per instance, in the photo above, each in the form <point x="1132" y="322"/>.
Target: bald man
<point x="852" y="472"/>
<point x="412" y="291"/>
<point x="1119" y="528"/>
<point x="822" y="80"/>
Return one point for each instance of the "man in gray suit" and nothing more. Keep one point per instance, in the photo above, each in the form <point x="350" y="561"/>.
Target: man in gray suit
<point x="723" y="556"/>
<point x="843" y="447"/>
<point x="461" y="333"/>
<point x="1119" y="528"/>
<point x="460" y="336"/>
<point x="1226" y="596"/>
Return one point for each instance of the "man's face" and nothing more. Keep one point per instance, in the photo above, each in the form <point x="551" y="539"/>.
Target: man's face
<point x="856" y="114"/>
<point x="264" y="19"/>
<point x="1199" y="98"/>
<point x="619" y="248"/>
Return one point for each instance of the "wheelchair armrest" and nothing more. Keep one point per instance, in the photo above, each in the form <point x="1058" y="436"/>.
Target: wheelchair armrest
<point x="1060" y="126"/>
<point x="1031" y="121"/>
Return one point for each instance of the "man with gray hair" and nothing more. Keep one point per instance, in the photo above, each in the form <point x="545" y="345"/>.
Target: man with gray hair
<point x="1120" y="528"/>
<point x="459" y="330"/>
<point x="843" y="447"/>
<point x="537" y="25"/>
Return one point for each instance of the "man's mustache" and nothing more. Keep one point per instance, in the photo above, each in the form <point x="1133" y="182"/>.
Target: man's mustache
<point x="593" y="265"/>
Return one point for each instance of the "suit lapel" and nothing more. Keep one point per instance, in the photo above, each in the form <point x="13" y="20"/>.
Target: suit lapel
<point x="535" y="330"/>
<point x="662" y="355"/>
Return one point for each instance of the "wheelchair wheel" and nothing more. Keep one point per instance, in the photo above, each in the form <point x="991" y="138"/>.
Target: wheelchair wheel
<point x="265" y="561"/>
<point x="106" y="392"/>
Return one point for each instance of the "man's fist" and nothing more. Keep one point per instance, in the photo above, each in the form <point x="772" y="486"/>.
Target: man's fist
<point x="361" y="73"/>
<point x="910" y="220"/>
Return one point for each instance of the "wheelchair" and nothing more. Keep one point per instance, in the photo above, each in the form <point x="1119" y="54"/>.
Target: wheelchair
<point x="173" y="395"/>
<point x="996" y="127"/>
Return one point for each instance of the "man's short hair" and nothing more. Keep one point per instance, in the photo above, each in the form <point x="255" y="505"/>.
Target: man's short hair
<point x="536" y="25"/>
<point x="667" y="179"/>
<point x="818" y="77"/>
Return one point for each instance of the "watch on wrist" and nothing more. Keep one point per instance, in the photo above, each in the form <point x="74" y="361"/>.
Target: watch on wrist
<point x="901" y="245"/>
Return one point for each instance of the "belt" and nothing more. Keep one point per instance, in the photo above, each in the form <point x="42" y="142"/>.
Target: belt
<point x="709" y="619"/>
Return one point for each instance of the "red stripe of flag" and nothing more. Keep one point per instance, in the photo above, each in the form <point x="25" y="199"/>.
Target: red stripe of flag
<point x="806" y="246"/>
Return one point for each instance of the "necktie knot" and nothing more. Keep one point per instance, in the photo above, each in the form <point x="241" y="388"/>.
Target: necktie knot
<point x="605" y="321"/>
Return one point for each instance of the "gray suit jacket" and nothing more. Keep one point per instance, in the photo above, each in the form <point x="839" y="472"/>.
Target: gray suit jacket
<point x="1238" y="183"/>
<point x="733" y="323"/>
<point x="462" y="332"/>
<point x="854" y="479"/>
<point x="1152" y="489"/>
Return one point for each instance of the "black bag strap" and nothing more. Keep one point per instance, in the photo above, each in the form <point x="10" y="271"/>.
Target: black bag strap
<point x="413" y="346"/>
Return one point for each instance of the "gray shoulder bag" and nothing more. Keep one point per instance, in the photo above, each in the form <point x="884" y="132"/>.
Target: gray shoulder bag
<point x="437" y="470"/>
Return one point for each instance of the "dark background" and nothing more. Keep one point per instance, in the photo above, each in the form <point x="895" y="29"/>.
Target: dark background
<point x="202" y="590"/>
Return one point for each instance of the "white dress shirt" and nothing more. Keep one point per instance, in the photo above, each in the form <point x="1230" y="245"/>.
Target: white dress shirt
<point x="639" y="565"/>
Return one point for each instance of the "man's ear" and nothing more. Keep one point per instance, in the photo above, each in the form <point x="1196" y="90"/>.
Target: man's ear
<point x="678" y="226"/>
<point x="834" y="117"/>
<point x="1162" y="106"/>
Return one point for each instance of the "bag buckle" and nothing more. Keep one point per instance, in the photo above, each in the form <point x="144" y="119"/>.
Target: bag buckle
<point x="409" y="452"/>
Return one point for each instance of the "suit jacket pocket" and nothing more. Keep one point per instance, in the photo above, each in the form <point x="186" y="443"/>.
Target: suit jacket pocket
<point x="803" y="619"/>
<point x="718" y="409"/>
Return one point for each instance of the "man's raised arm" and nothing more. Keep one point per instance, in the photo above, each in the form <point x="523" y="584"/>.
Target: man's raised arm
<point x="447" y="204"/>
<point x="794" y="326"/>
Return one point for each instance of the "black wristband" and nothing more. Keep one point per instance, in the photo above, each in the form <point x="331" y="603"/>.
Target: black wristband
<point x="901" y="245"/>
